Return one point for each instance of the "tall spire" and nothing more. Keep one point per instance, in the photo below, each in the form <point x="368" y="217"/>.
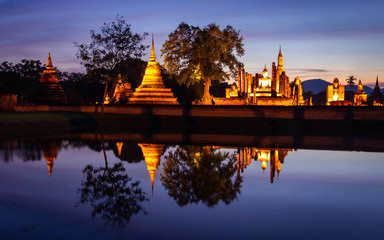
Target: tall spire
<point x="377" y="80"/>
<point x="153" y="56"/>
<point x="49" y="61"/>
<point x="280" y="55"/>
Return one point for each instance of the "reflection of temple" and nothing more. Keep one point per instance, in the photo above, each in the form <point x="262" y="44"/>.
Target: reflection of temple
<point x="152" y="154"/>
<point x="50" y="150"/>
<point x="260" y="89"/>
<point x="275" y="157"/>
<point x="152" y="89"/>
<point x="119" y="146"/>
<point x="50" y="90"/>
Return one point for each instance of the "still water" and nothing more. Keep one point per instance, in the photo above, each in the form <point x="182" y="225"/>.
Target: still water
<point x="66" y="189"/>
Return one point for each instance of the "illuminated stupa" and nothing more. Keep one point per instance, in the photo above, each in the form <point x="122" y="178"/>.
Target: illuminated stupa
<point x="360" y="98"/>
<point x="152" y="89"/>
<point x="152" y="154"/>
<point x="50" y="90"/>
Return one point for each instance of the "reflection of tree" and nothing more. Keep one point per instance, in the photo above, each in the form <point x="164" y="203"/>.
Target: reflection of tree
<point x="130" y="152"/>
<point x="111" y="193"/>
<point x="192" y="174"/>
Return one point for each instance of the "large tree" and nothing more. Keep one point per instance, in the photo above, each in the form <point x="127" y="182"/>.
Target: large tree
<point x="108" y="50"/>
<point x="194" y="174"/>
<point x="193" y="54"/>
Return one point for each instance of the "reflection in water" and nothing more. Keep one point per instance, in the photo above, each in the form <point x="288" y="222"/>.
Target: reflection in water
<point x="128" y="152"/>
<point x="111" y="193"/>
<point x="192" y="174"/>
<point x="152" y="154"/>
<point x="275" y="157"/>
<point x="50" y="150"/>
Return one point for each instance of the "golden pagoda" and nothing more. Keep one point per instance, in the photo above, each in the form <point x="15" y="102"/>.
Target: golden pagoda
<point x="360" y="98"/>
<point x="152" y="89"/>
<point x="152" y="154"/>
<point x="50" y="90"/>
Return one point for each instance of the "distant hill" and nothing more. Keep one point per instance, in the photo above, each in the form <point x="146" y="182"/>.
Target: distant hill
<point x="318" y="85"/>
<point x="315" y="85"/>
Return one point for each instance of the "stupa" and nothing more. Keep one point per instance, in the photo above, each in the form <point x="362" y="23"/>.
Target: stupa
<point x="360" y="97"/>
<point x="50" y="90"/>
<point x="152" y="89"/>
<point x="376" y="98"/>
<point x="152" y="154"/>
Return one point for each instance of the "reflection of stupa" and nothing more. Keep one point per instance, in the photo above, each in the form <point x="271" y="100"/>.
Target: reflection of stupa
<point x="152" y="154"/>
<point x="119" y="146"/>
<point x="50" y="151"/>
<point x="50" y="90"/>
<point x="152" y="89"/>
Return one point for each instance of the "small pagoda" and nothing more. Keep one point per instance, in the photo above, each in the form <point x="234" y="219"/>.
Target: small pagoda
<point x="50" y="91"/>
<point x="152" y="89"/>
<point x="376" y="98"/>
<point x="360" y="98"/>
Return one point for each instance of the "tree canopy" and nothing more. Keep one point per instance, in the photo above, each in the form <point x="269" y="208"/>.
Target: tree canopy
<point x="193" y="54"/>
<point x="194" y="174"/>
<point x="116" y="43"/>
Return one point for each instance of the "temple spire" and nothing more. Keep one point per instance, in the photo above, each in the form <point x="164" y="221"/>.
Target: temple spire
<point x="377" y="80"/>
<point x="49" y="61"/>
<point x="153" y="56"/>
<point x="280" y="55"/>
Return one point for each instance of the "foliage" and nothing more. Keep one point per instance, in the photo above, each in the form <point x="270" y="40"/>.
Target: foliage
<point x="193" y="174"/>
<point x="112" y="194"/>
<point x="350" y="81"/>
<point x="116" y="43"/>
<point x="22" y="78"/>
<point x="193" y="54"/>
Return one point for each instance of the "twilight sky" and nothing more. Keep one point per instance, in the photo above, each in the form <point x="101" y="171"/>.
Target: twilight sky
<point x="319" y="39"/>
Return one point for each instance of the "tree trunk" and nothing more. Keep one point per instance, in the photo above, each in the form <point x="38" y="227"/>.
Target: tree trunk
<point x="207" y="98"/>
<point x="105" y="93"/>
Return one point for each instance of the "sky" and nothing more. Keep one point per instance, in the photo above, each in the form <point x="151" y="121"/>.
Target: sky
<point x="319" y="39"/>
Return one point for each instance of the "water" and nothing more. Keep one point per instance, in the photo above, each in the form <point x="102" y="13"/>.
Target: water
<point x="199" y="192"/>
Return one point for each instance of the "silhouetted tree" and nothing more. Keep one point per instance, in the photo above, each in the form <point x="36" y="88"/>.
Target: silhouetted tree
<point x="112" y="47"/>
<point x="195" y="55"/>
<point x="22" y="79"/>
<point x="192" y="174"/>
<point x="350" y="81"/>
<point x="111" y="193"/>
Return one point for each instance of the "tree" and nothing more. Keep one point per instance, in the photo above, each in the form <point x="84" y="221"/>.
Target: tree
<point x="111" y="192"/>
<point x="113" y="46"/>
<point x="350" y="81"/>
<point x="193" y="173"/>
<point x="22" y="79"/>
<point x="194" y="55"/>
